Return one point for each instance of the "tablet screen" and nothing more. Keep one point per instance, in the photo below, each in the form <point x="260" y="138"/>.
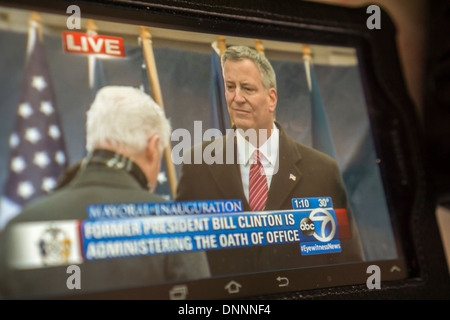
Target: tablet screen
<point x="328" y="221"/>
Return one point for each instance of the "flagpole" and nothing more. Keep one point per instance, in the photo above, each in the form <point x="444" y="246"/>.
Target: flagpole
<point x="91" y="26"/>
<point x="154" y="79"/>
<point x="91" y="29"/>
<point x="307" y="59"/>
<point x="221" y="44"/>
<point x="259" y="46"/>
<point x="34" y="22"/>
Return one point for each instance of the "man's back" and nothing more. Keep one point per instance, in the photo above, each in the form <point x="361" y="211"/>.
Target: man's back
<point x="94" y="185"/>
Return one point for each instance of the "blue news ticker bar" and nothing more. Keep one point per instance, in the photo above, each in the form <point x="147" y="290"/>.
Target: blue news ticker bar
<point x="126" y="237"/>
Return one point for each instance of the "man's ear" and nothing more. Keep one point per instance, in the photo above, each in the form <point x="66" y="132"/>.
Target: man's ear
<point x="152" y="149"/>
<point x="273" y="97"/>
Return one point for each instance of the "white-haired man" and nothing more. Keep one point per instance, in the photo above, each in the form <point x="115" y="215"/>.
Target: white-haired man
<point x="126" y="133"/>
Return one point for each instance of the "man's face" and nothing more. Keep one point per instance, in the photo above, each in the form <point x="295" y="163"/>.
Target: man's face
<point x="250" y="105"/>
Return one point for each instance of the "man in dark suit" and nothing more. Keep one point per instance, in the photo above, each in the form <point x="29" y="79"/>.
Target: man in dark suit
<point x="126" y="134"/>
<point x="291" y="170"/>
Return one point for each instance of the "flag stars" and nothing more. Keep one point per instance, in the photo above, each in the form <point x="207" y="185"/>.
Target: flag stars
<point x="46" y="108"/>
<point x="32" y="135"/>
<point x="25" y="189"/>
<point x="48" y="184"/>
<point x="18" y="164"/>
<point x="25" y="110"/>
<point x="14" y="140"/>
<point x="60" y="157"/>
<point x="54" y="132"/>
<point x="41" y="159"/>
<point x="38" y="82"/>
<point x="161" y="178"/>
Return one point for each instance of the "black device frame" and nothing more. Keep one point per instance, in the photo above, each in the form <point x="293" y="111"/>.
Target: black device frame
<point x="396" y="128"/>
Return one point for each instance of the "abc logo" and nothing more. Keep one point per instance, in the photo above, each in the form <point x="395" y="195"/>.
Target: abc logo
<point x="307" y="227"/>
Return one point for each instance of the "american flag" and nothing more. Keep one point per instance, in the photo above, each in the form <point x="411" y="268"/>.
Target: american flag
<point x="37" y="149"/>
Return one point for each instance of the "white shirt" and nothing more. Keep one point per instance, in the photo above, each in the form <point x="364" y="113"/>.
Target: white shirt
<point x="268" y="157"/>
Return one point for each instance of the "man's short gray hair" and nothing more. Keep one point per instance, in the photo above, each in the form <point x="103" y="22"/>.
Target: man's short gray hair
<point x="125" y="117"/>
<point x="238" y="53"/>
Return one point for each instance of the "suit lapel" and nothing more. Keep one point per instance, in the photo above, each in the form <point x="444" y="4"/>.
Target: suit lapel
<point x="228" y="176"/>
<point x="288" y="175"/>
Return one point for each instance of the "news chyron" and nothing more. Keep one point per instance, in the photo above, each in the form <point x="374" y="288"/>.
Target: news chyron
<point x="129" y="230"/>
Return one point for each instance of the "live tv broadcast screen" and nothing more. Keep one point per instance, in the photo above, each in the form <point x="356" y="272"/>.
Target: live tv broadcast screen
<point x="85" y="219"/>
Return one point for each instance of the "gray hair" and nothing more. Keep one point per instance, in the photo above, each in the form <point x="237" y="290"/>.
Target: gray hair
<point x="125" y="117"/>
<point x="238" y="53"/>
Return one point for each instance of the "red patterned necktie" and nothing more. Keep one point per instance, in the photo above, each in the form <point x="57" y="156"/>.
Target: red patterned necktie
<point x="257" y="185"/>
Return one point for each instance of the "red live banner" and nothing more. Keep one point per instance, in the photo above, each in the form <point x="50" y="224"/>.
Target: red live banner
<point x="83" y="43"/>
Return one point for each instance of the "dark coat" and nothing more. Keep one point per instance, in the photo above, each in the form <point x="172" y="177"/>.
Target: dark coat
<point x="95" y="185"/>
<point x="316" y="175"/>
